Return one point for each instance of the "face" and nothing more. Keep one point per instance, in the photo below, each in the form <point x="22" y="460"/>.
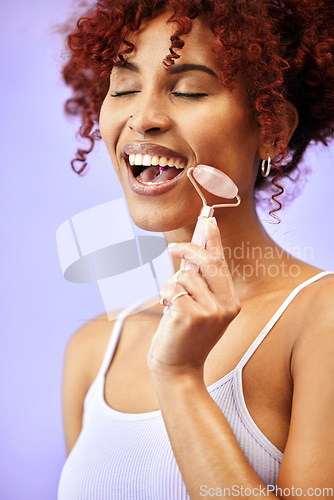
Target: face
<point x="176" y="117"/>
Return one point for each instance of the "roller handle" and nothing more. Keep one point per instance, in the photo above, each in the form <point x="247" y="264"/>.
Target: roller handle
<point x="199" y="239"/>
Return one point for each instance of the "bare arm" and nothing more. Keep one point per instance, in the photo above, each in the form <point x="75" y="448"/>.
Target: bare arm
<point x="75" y="386"/>
<point x="83" y="357"/>
<point x="208" y="453"/>
<point x="308" y="460"/>
<point x="204" y="445"/>
<point x="206" y="450"/>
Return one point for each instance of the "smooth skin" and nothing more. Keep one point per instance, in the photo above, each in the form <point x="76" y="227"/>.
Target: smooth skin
<point x="164" y="360"/>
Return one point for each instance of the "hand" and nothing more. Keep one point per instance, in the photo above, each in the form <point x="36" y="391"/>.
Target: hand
<point x="195" y="321"/>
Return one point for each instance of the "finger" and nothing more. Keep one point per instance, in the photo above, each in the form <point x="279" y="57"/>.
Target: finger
<point x="174" y="277"/>
<point x="213" y="267"/>
<point x="210" y="263"/>
<point x="169" y="287"/>
<point x="172" y="292"/>
<point x="196" y="286"/>
<point x="213" y="245"/>
<point x="189" y="251"/>
<point x="213" y="239"/>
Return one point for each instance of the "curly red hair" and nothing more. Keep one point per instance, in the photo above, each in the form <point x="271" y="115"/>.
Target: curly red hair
<point x="285" y="48"/>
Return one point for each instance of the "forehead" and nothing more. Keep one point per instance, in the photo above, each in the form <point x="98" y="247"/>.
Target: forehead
<point x="152" y="42"/>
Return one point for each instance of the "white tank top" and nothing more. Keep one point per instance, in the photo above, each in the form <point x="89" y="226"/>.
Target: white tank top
<point x="128" y="456"/>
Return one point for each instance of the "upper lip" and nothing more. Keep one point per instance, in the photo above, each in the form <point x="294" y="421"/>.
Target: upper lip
<point x="146" y="148"/>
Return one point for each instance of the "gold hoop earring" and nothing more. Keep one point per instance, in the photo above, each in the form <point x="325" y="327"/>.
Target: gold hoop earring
<point x="266" y="167"/>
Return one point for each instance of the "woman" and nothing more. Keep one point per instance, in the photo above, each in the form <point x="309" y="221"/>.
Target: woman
<point x="228" y="390"/>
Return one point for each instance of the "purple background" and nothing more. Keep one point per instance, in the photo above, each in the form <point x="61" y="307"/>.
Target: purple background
<point x="39" y="309"/>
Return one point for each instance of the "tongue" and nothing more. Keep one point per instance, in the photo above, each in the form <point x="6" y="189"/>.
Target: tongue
<point x="153" y="174"/>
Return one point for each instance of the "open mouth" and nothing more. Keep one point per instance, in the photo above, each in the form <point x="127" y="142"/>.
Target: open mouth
<point x="148" y="169"/>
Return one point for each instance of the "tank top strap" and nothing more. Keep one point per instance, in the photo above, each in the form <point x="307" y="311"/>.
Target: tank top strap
<point x="273" y="320"/>
<point x="116" y="333"/>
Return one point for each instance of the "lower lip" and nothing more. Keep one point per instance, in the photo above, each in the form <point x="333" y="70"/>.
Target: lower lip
<point x="151" y="189"/>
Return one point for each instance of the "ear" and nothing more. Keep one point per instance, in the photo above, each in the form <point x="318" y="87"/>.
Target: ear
<point x="290" y="122"/>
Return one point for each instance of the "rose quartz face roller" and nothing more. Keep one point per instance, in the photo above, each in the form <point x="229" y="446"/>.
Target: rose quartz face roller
<point x="217" y="183"/>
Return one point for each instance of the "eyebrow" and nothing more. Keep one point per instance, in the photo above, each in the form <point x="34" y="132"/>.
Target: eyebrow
<point x="173" y="70"/>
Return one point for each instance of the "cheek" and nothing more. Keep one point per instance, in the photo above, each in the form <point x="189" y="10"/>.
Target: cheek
<point x="229" y="143"/>
<point x="105" y="124"/>
<point x="224" y="135"/>
<point x="107" y="130"/>
<point x="108" y="127"/>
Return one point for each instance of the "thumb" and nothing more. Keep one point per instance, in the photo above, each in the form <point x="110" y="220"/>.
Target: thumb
<point x="213" y="240"/>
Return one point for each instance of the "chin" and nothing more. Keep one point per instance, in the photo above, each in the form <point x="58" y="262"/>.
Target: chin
<point x="158" y="223"/>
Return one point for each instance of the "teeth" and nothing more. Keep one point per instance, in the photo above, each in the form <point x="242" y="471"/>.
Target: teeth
<point x="148" y="160"/>
<point x="149" y="183"/>
<point x="138" y="159"/>
<point x="163" y="161"/>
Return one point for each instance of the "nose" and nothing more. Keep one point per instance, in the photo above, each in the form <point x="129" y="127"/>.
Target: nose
<point x="149" y="117"/>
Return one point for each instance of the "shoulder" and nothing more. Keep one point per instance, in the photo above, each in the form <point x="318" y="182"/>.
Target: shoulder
<point x="316" y="306"/>
<point x="324" y="296"/>
<point x="83" y="357"/>
<point x="87" y="345"/>
<point x="308" y="322"/>
<point x="312" y="370"/>
<point x="313" y="348"/>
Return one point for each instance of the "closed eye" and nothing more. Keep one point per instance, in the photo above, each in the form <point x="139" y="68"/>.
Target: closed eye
<point x="190" y="95"/>
<point x="176" y="94"/>
<point x="120" y="94"/>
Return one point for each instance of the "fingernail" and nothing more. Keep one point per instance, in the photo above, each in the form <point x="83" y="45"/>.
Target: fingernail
<point x="171" y="245"/>
<point x="214" y="221"/>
